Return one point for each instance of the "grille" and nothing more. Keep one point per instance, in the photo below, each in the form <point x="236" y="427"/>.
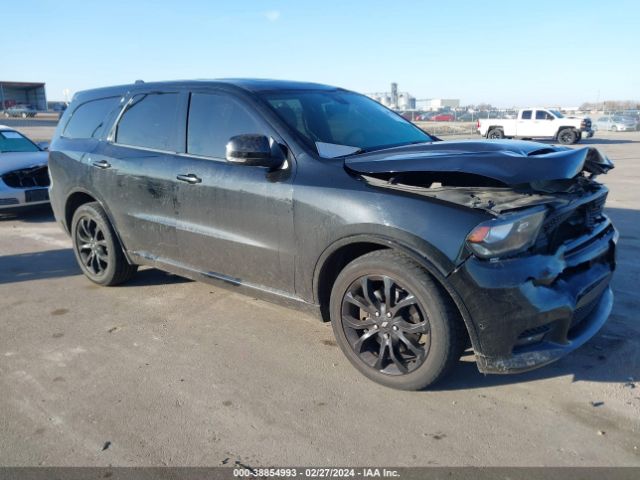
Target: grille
<point x="535" y="331"/>
<point x="39" y="195"/>
<point x="9" y="201"/>
<point x="583" y="312"/>
<point x="582" y="220"/>
<point x="27" y="178"/>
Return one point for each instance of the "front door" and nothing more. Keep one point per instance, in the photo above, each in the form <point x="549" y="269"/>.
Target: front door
<point x="234" y="222"/>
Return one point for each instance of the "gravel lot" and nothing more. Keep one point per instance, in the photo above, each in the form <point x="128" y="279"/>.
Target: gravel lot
<point x="165" y="371"/>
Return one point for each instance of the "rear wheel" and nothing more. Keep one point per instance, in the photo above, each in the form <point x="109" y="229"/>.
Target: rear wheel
<point x="614" y="128"/>
<point x="394" y="323"/>
<point x="495" y="133"/>
<point x="567" y="136"/>
<point x="97" y="248"/>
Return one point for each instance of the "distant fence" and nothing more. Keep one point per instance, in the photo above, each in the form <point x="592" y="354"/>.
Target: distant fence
<point x="448" y="128"/>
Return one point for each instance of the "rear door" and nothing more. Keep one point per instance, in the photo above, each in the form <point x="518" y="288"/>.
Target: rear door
<point x="523" y="124"/>
<point x="134" y="173"/>
<point x="234" y="222"/>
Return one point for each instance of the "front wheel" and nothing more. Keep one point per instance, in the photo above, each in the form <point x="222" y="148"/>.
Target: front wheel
<point x="394" y="323"/>
<point x="567" y="136"/>
<point x="97" y="248"/>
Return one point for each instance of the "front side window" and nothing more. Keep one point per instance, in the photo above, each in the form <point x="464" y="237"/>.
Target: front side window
<point x="213" y="119"/>
<point x="526" y="115"/>
<point x="150" y="121"/>
<point x="543" y="115"/>
<point x="88" y="120"/>
<point x="12" y="141"/>
<point x="342" y="118"/>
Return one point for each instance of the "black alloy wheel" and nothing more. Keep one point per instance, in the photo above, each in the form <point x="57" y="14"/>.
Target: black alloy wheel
<point x="567" y="136"/>
<point x="496" y="133"/>
<point x="385" y="325"/>
<point x="97" y="248"/>
<point x="92" y="246"/>
<point x="394" y="322"/>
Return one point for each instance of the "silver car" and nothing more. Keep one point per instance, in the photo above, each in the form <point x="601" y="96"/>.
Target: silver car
<point x="615" y="123"/>
<point x="24" y="177"/>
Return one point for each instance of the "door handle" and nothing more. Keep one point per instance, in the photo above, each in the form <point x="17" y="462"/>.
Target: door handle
<point x="189" y="178"/>
<point x="101" y="164"/>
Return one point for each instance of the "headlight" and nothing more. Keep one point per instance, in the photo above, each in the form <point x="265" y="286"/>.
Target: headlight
<point x="509" y="234"/>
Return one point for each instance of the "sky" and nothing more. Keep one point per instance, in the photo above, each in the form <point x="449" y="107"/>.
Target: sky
<point x="506" y="53"/>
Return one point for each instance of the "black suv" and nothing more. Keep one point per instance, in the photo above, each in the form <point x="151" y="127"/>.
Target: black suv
<point x="413" y="248"/>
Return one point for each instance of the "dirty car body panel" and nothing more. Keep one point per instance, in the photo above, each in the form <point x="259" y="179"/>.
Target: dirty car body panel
<point x="278" y="232"/>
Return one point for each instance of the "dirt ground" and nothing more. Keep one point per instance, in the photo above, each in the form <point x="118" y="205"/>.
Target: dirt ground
<point x="166" y="371"/>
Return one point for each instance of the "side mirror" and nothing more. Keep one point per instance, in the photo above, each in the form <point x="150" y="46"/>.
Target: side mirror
<point x="254" y="150"/>
<point x="43" y="145"/>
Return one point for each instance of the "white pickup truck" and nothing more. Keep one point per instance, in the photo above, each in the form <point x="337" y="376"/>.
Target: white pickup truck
<point x="537" y="123"/>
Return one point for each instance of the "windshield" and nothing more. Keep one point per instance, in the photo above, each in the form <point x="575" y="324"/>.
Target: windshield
<point x="557" y="113"/>
<point x="11" y="141"/>
<point x="342" y="118"/>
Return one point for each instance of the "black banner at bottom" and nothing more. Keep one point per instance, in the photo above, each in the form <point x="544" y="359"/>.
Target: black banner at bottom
<point x="244" y="472"/>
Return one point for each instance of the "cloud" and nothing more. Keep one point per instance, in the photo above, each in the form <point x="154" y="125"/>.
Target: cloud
<point x="272" y="15"/>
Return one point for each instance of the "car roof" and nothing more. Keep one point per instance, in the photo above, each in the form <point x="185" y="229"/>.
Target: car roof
<point x="249" y="84"/>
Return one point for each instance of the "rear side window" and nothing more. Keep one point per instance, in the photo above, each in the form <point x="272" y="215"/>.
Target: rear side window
<point x="150" y="121"/>
<point x="526" y="115"/>
<point x="89" y="119"/>
<point x="213" y="119"/>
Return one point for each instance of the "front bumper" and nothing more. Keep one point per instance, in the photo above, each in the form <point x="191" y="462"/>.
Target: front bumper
<point x="529" y="358"/>
<point x="11" y="198"/>
<point x="530" y="311"/>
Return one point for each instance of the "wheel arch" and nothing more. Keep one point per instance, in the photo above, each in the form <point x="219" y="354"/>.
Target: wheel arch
<point x="79" y="197"/>
<point x="343" y="251"/>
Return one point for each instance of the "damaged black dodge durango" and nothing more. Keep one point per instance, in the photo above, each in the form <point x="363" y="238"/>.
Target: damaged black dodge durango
<point x="414" y="248"/>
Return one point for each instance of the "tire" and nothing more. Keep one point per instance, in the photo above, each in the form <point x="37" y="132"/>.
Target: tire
<point x="614" y="128"/>
<point x="567" y="136"/>
<point x="97" y="248"/>
<point x="428" y="321"/>
<point x="495" y="133"/>
<point x="23" y="115"/>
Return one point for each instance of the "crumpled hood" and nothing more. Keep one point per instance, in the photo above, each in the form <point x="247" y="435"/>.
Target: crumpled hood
<point x="11" y="161"/>
<point x="507" y="161"/>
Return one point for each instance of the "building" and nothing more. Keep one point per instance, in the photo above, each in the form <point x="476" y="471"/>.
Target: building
<point x="31" y="93"/>
<point x="435" y="104"/>
<point x="394" y="99"/>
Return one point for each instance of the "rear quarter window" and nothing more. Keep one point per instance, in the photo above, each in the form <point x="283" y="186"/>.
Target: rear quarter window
<point x="526" y="115"/>
<point x="89" y="119"/>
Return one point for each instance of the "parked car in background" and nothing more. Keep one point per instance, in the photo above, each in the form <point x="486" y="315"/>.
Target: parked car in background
<point x="311" y="195"/>
<point x="615" y="123"/>
<point x="537" y="123"/>
<point x="21" y="110"/>
<point x="23" y="171"/>
<point x="443" y="117"/>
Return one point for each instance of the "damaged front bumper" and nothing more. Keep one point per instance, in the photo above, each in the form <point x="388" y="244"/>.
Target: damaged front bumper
<point x="530" y="311"/>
